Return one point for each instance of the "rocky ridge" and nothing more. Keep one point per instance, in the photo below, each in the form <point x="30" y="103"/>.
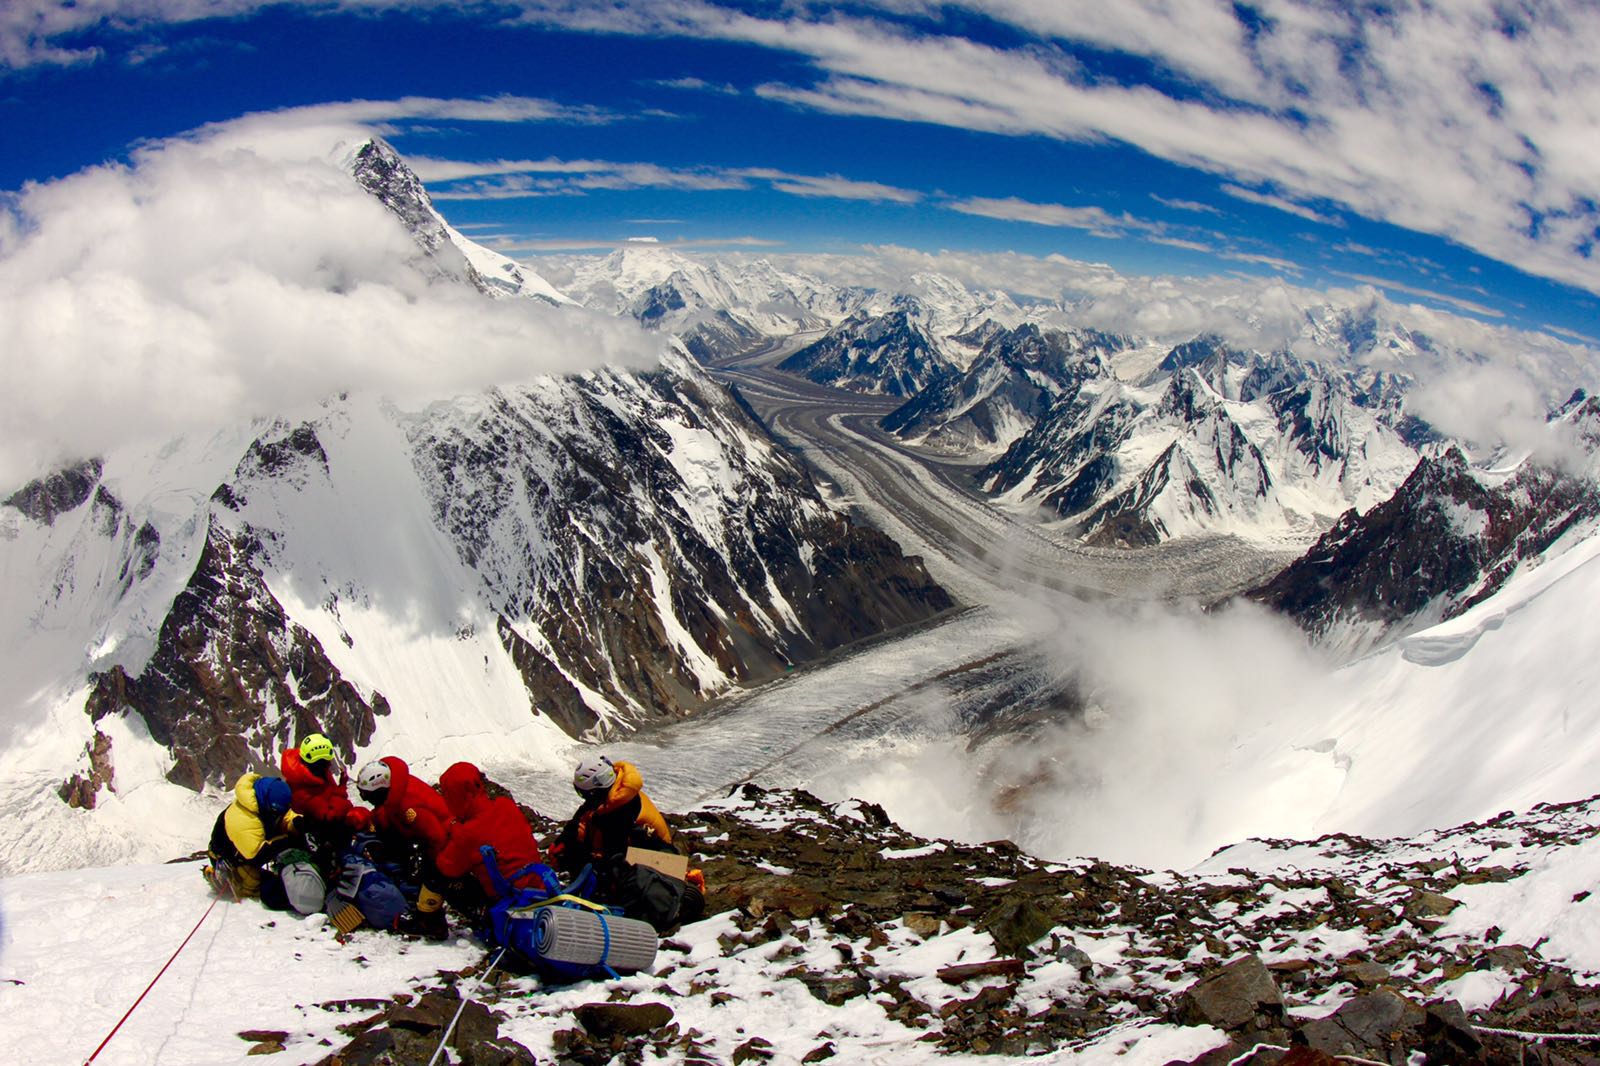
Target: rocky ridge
<point x="834" y="935"/>
<point x="1449" y="538"/>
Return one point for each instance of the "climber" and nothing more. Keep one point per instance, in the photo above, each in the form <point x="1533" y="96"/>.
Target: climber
<point x="410" y="818"/>
<point x="257" y="850"/>
<point x="479" y="821"/>
<point x="615" y="815"/>
<point x="320" y="790"/>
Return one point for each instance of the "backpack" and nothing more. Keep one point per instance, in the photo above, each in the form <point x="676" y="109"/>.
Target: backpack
<point x="544" y="921"/>
<point x="366" y="886"/>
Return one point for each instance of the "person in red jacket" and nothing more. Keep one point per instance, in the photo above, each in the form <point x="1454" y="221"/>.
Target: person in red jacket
<point x="404" y="808"/>
<point x="479" y="820"/>
<point x="408" y="813"/>
<point x="320" y="789"/>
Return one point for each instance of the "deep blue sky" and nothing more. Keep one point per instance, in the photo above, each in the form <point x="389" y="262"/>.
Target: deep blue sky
<point x="158" y="79"/>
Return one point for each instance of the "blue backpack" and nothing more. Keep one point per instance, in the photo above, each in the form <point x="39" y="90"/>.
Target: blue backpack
<point x="367" y="885"/>
<point x="515" y="922"/>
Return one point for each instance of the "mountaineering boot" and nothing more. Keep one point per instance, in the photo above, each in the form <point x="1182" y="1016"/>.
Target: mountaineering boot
<point x="427" y="920"/>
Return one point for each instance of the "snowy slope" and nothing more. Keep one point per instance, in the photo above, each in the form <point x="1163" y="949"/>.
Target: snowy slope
<point x="836" y="934"/>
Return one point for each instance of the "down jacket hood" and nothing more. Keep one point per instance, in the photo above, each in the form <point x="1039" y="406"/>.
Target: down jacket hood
<point x="463" y="790"/>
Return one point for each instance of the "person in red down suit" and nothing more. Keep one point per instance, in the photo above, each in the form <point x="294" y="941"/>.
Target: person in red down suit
<point x="408" y="813"/>
<point x="320" y="789"/>
<point x="479" y="820"/>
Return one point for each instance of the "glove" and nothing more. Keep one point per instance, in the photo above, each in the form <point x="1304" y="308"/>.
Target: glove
<point x="358" y="818"/>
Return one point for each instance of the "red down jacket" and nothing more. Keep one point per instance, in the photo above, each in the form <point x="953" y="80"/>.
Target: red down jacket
<point x="321" y="799"/>
<point x="480" y="820"/>
<point x="412" y="810"/>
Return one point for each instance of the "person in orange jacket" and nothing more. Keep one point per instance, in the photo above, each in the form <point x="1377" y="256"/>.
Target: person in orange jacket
<point x="320" y="788"/>
<point x="615" y="814"/>
<point x="407" y="812"/>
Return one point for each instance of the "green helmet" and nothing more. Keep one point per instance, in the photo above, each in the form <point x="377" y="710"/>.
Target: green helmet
<point x="315" y="748"/>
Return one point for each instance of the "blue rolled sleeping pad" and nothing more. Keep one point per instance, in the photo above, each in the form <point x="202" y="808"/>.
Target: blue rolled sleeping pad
<point x="524" y="921"/>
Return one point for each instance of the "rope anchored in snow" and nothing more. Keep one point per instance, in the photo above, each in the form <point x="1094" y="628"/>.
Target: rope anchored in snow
<point x="152" y="983"/>
<point x="1538" y="1038"/>
<point x="445" y="1039"/>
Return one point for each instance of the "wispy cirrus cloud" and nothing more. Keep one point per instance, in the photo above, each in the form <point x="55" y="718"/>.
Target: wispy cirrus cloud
<point x="1092" y="219"/>
<point x="1186" y="205"/>
<point x="1472" y="120"/>
<point x="1239" y="192"/>
<point x="509" y="179"/>
<point x="1427" y="294"/>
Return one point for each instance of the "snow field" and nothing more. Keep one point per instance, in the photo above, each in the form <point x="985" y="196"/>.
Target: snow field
<point x="79" y="946"/>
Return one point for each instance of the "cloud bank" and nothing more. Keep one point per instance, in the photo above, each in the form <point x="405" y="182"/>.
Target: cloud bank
<point x="1474" y="120"/>
<point x="236" y="273"/>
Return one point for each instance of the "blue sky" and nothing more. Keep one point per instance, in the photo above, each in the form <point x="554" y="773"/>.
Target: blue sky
<point x="1316" y="141"/>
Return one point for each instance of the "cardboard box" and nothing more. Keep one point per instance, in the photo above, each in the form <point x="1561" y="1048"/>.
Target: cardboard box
<point x="673" y="865"/>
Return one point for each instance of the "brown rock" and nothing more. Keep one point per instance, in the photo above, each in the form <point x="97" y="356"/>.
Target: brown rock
<point x="623" y="1019"/>
<point x="954" y="975"/>
<point x="1232" y="996"/>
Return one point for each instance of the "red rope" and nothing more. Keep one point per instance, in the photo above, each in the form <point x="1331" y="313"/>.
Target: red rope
<point x="152" y="983"/>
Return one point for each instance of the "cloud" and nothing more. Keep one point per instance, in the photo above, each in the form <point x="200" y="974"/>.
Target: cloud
<point x="696" y="85"/>
<point x="1467" y="120"/>
<point x="1427" y="294"/>
<point x="235" y="273"/>
<point x="1095" y="220"/>
<point x="1493" y="405"/>
<point x="1268" y="200"/>
<point x="833" y="186"/>
<point x="503" y="179"/>
<point x="1324" y="102"/>
<point x="1187" y="205"/>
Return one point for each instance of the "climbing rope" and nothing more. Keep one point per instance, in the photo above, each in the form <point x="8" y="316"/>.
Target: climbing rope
<point x="152" y="983"/>
<point x="1537" y="1038"/>
<point x="445" y="1039"/>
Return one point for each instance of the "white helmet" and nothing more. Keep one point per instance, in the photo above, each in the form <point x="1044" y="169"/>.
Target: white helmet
<point x="374" y="777"/>
<point x="593" y="774"/>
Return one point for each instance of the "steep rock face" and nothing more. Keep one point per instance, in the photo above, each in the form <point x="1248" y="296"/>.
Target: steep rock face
<point x="640" y="537"/>
<point x="1015" y="377"/>
<point x="63" y="491"/>
<point x="234" y="680"/>
<point x="889" y="354"/>
<point x="1447" y="539"/>
<point x="444" y="253"/>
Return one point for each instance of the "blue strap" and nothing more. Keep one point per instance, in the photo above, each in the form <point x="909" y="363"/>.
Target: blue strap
<point x="490" y="864"/>
<point x="605" y="947"/>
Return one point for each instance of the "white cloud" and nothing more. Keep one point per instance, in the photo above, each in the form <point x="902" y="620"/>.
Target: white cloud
<point x="511" y="179"/>
<point x="1471" y="120"/>
<point x="1435" y="117"/>
<point x="1268" y="200"/>
<point x="1492" y="405"/>
<point x="1095" y="220"/>
<point x="1187" y="205"/>
<point x="1427" y="294"/>
<point x="235" y="273"/>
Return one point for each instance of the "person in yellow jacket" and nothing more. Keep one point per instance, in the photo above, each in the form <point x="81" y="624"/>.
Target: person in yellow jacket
<point x="256" y="849"/>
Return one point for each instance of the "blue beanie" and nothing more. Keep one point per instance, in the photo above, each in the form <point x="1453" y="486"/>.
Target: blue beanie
<point x="272" y="797"/>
